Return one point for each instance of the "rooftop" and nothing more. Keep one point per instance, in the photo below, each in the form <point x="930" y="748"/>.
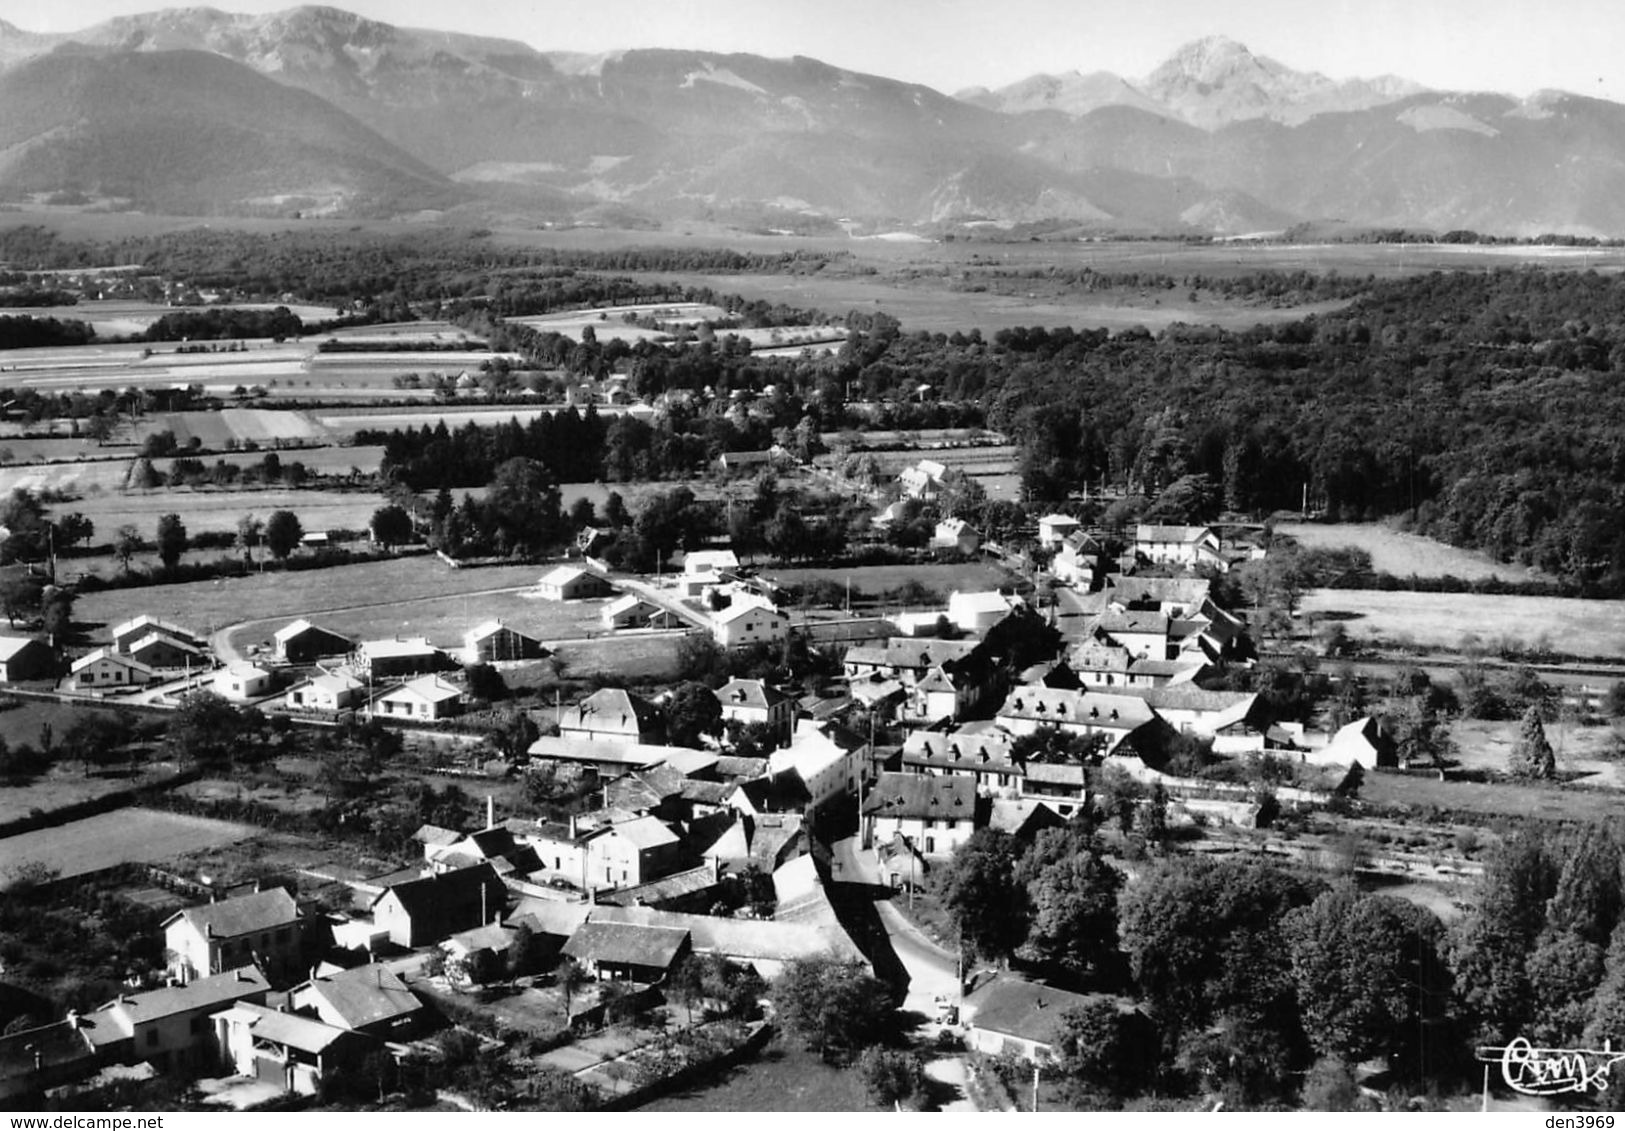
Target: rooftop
<point x="241" y="915"/>
<point x="950" y="797"/>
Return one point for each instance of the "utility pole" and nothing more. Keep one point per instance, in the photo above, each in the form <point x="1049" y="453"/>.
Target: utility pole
<point x="1035" y="1087"/>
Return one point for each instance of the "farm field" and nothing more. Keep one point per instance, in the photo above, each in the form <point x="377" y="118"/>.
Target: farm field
<point x="966" y="577"/>
<point x="34" y="449"/>
<point x="210" y="604"/>
<point x="1447" y="620"/>
<point x="1581" y="750"/>
<point x="120" y="837"/>
<point x="1501" y="799"/>
<point x="1403" y="554"/>
<point x="123" y="317"/>
<point x="216" y="511"/>
<point x="629" y="656"/>
<point x="58" y="790"/>
<point x="445" y="619"/>
<point x="214" y="430"/>
<point x="930" y="303"/>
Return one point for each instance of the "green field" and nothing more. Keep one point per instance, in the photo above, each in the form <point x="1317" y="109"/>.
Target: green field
<point x="1455" y="620"/>
<point x="1403" y="554"/>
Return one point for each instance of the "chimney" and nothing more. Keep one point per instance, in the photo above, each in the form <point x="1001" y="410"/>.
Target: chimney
<point x="490" y="811"/>
<point x="73" y="1019"/>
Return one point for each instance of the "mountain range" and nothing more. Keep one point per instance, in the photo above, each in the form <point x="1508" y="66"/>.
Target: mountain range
<point x="319" y="111"/>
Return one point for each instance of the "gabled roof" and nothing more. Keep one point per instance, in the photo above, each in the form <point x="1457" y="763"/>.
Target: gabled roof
<point x="563" y="575"/>
<point x="12" y="645"/>
<point x="299" y="627"/>
<point x="429" y="688"/>
<point x="1154" y="533"/>
<point x="489" y="629"/>
<point x="287" y="1029"/>
<point x="710" y="561"/>
<point x="1087" y="708"/>
<point x="753" y="694"/>
<point x="437" y="836"/>
<point x="1058" y="520"/>
<point x="202" y="993"/>
<point x="431" y="895"/>
<point x="645" y="833"/>
<point x="361" y="997"/>
<point x="1018" y="1008"/>
<point x="385" y="649"/>
<point x="241" y="915"/>
<point x="632" y="944"/>
<point x="175" y="642"/>
<point x="242" y="669"/>
<point x="144" y="621"/>
<point x="336" y="682"/>
<point x="777" y="793"/>
<point x="741" y="606"/>
<point x="119" y="658"/>
<point x="908" y="652"/>
<point x="946" y="797"/>
<point x="626" y="602"/>
<point x="612" y="708"/>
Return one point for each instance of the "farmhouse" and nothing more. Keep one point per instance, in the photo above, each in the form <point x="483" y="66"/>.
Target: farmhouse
<point x="424" y="911"/>
<point x="631" y="611"/>
<point x="160" y="650"/>
<point x="633" y="852"/>
<point x="956" y="534"/>
<point x="368" y="999"/>
<point x="923" y="481"/>
<point x="169" y="1027"/>
<point x="1011" y="1013"/>
<point x="627" y="951"/>
<point x="22" y="657"/>
<point x="262" y="928"/>
<point x="934" y="814"/>
<point x="1362" y="742"/>
<point x="425" y="698"/>
<point x="329" y="692"/>
<point x="1186" y="546"/>
<point x="242" y="682"/>
<point x="381" y="659"/>
<point x="103" y="670"/>
<point x="572" y="583"/>
<point x="494" y="642"/>
<point x="748" y="701"/>
<point x="749" y="620"/>
<point x="130" y="631"/>
<point x="302" y="642"/>
<point x="826" y="757"/>
<point x="613" y="715"/>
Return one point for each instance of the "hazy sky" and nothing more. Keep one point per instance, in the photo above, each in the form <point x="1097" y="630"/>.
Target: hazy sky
<point x="1516" y="46"/>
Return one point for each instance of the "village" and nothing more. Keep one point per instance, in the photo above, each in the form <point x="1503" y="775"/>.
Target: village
<point x="995" y="711"/>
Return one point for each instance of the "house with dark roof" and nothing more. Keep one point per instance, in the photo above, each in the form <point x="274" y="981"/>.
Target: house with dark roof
<point x="380" y="659"/>
<point x="613" y="714"/>
<point x="286" y="1049"/>
<point x="424" y="911"/>
<point x="138" y="628"/>
<point x="981" y="754"/>
<point x="747" y="701"/>
<point x="302" y="642"/>
<point x="262" y="928"/>
<point x="160" y="650"/>
<point x="23" y="657"/>
<point x="369" y="999"/>
<point x="1184" y="546"/>
<point x="495" y="642"/>
<point x="632" y="952"/>
<point x="1011" y="1014"/>
<point x="934" y="814"/>
<point x="169" y="1027"/>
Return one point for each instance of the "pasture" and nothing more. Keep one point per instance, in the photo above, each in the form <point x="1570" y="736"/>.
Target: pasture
<point x="443" y="619"/>
<point x="206" y="605"/>
<point x="1587" y="752"/>
<point x="1418" y="793"/>
<point x="1402" y="554"/>
<point x="216" y="511"/>
<point x="123" y="836"/>
<point x="1455" y="621"/>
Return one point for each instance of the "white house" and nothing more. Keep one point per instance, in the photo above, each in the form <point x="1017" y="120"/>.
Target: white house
<point x="710" y="563"/>
<point x="1053" y="529"/>
<point x="631" y="611"/>
<point x="956" y="534"/>
<point x="749" y="620"/>
<point x="924" y="480"/>
<point x="571" y="583"/>
<point x="328" y="692"/>
<point x="139" y="627"/>
<point x="747" y="701"/>
<point x="1187" y="546"/>
<point x="102" y="670"/>
<point x="827" y="757"/>
<point x="242" y="682"/>
<point x="494" y="642"/>
<point x="261" y="928"/>
<point x="978" y="612"/>
<point x="936" y="814"/>
<point x="425" y="698"/>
